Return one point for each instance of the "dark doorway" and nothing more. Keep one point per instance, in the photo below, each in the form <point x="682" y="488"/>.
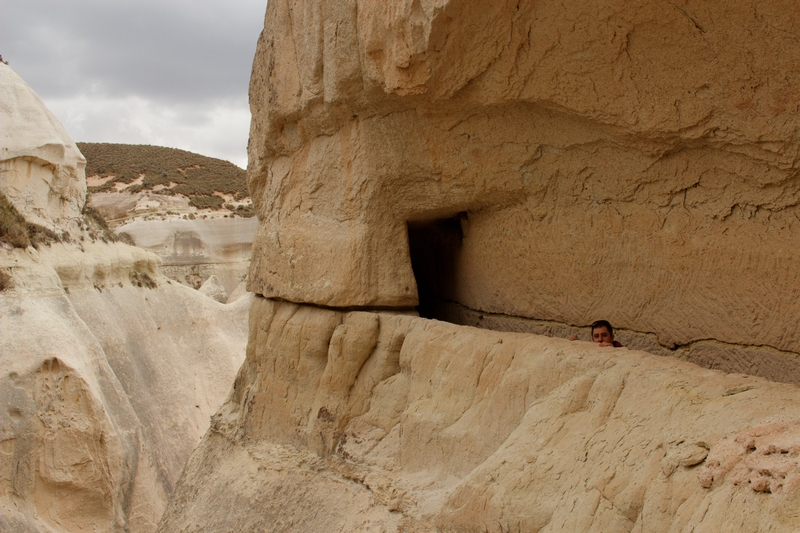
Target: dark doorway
<point x="435" y="246"/>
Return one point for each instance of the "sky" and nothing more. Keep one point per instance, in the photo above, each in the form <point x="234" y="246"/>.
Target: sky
<point x="163" y="72"/>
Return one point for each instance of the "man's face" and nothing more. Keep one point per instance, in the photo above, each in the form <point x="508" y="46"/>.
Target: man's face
<point x="602" y="335"/>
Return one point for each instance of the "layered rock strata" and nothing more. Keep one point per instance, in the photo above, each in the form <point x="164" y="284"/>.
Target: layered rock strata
<point x="108" y="370"/>
<point x="606" y="159"/>
<point x="192" y="251"/>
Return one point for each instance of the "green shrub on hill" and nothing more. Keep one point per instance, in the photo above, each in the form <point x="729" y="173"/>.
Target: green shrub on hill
<point x="205" y="202"/>
<point x="194" y="174"/>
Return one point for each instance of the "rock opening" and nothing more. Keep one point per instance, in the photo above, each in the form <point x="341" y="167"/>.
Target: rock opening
<point x="435" y="247"/>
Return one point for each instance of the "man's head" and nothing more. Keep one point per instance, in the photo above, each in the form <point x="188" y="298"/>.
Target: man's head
<point x="602" y="332"/>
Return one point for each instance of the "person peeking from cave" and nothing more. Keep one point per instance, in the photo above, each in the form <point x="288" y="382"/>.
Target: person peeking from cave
<point x="602" y="334"/>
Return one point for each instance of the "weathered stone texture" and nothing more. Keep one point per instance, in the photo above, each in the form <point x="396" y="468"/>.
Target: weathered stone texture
<point x="105" y="386"/>
<point x="42" y="172"/>
<point x="535" y="165"/>
<point x="380" y="422"/>
<point x="633" y="161"/>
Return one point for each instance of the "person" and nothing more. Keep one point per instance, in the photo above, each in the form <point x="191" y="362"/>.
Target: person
<point x="602" y="333"/>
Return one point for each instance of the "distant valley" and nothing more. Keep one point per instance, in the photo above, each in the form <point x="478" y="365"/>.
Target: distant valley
<point x="191" y="210"/>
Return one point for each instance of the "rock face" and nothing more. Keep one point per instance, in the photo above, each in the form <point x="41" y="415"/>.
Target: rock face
<point x="587" y="160"/>
<point x="534" y="165"/>
<point x="41" y="169"/>
<point x="214" y="289"/>
<point x="366" y="421"/>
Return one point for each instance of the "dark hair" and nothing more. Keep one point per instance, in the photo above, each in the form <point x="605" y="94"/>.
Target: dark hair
<point x="602" y="324"/>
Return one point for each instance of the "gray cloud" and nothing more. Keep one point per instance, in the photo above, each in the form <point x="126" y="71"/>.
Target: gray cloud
<point x="105" y="63"/>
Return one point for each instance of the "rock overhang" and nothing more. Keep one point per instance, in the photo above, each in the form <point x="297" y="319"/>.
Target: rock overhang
<point x="625" y="167"/>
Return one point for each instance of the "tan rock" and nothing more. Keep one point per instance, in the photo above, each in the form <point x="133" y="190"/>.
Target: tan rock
<point x="602" y="159"/>
<point x="543" y="165"/>
<point x="763" y="361"/>
<point x="381" y="422"/>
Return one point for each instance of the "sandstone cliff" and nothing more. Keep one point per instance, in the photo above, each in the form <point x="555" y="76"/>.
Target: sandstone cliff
<point x="529" y="166"/>
<point x="635" y="162"/>
<point x="41" y="169"/>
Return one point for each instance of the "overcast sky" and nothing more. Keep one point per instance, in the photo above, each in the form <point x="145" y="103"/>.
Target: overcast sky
<point x="163" y="72"/>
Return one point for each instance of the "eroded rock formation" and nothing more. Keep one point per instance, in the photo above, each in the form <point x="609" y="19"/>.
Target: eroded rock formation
<point x="41" y="169"/>
<point x="108" y="370"/>
<point x="192" y="251"/>
<point x="604" y="159"/>
<point x="536" y="165"/>
<point x="367" y="421"/>
<point x="106" y="385"/>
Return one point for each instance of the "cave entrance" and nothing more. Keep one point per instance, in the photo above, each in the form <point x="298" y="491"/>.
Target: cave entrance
<point x="435" y="246"/>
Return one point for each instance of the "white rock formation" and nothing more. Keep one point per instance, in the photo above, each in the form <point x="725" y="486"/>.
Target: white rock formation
<point x="214" y="289"/>
<point x="107" y="386"/>
<point x="108" y="370"/>
<point x="123" y="205"/>
<point x="41" y="169"/>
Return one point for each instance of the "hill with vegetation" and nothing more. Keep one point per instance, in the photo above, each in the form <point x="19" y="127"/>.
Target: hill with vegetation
<point x="131" y="168"/>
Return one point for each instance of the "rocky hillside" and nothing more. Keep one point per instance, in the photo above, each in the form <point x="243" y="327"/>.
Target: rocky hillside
<point x="196" y="183"/>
